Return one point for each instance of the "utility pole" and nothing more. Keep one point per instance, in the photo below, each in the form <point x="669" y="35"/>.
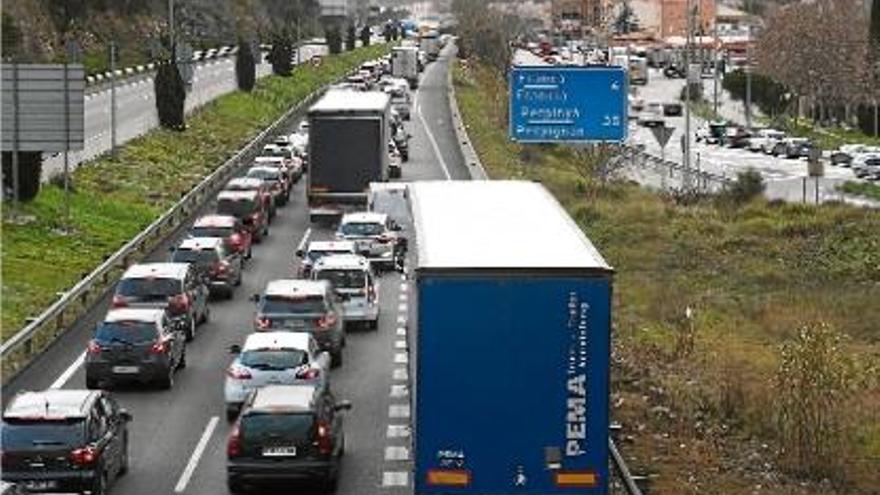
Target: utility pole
<point x="686" y="162"/>
<point x="749" y="83"/>
<point x="113" y="49"/>
<point x="715" y="74"/>
<point x="171" y="28"/>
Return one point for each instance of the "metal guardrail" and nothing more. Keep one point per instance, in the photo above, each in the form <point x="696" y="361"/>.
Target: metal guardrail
<point x="17" y="352"/>
<point x="619" y="464"/>
<point x="703" y="180"/>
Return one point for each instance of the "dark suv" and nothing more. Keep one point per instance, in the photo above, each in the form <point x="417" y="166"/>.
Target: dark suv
<point x="249" y="207"/>
<point x="287" y="433"/>
<point x="64" y="440"/>
<point x="211" y="258"/>
<point x="176" y="287"/>
<point x="135" y="345"/>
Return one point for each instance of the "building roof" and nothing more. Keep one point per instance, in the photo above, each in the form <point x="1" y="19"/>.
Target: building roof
<point x="497" y="225"/>
<point x="157" y="270"/>
<point x="337" y="100"/>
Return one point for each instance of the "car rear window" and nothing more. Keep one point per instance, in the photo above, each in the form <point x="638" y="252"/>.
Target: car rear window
<point x="236" y="207"/>
<point x="21" y="434"/>
<point x="260" y="428"/>
<point x="284" y="305"/>
<point x="126" y="332"/>
<point x="274" y="359"/>
<point x="149" y="287"/>
<point x="264" y="174"/>
<point x="195" y="256"/>
<point x="344" y="279"/>
<point x="362" y="229"/>
<point x="211" y="231"/>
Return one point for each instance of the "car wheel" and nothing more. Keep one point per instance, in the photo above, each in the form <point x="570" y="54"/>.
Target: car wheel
<point x="336" y="358"/>
<point x="250" y="252"/>
<point x="99" y="486"/>
<point x="231" y="413"/>
<point x="265" y="231"/>
<point x="167" y="381"/>
<point x="181" y="364"/>
<point x="238" y="278"/>
<point x="191" y="331"/>
<point x="206" y="314"/>
<point x="234" y="486"/>
<point x="123" y="467"/>
<point x="374" y="325"/>
<point x="92" y="383"/>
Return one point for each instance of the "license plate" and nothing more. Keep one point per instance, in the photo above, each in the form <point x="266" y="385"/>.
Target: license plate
<point x="126" y="370"/>
<point x="294" y="324"/>
<point x="279" y="451"/>
<point x="40" y="485"/>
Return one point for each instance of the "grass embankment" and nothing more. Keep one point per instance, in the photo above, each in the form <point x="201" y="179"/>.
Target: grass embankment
<point x="865" y="189"/>
<point x="115" y="198"/>
<point x="698" y="397"/>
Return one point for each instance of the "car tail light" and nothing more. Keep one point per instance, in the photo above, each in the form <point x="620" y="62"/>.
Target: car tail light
<point x="94" y="348"/>
<point x="308" y="374"/>
<point x="238" y="373"/>
<point x="119" y="301"/>
<point x="236" y="241"/>
<point x="254" y="217"/>
<point x="160" y="347"/>
<point x="85" y="456"/>
<point x="263" y="323"/>
<point x="326" y="321"/>
<point x="179" y="303"/>
<point x="325" y="442"/>
<point x="220" y="268"/>
<point x="233" y="446"/>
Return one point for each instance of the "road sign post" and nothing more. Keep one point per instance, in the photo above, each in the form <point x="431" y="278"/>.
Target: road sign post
<point x="662" y="134"/>
<point x="568" y="104"/>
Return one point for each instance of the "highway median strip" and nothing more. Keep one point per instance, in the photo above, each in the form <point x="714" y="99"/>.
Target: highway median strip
<point x="116" y="197"/>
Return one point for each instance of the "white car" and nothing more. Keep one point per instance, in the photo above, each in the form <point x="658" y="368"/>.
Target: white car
<point x="272" y="358"/>
<point x="763" y="138"/>
<point x="353" y="280"/>
<point x="318" y="249"/>
<point x="375" y="237"/>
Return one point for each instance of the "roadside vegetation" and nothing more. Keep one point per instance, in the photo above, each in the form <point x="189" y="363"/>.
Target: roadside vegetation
<point x="865" y="189"/>
<point x="746" y="336"/>
<point x="114" y="198"/>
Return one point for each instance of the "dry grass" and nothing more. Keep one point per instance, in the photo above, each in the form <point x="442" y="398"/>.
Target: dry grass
<point x="697" y="396"/>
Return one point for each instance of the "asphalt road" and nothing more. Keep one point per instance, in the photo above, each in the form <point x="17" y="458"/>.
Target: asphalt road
<point x="168" y="426"/>
<point x="136" y="106"/>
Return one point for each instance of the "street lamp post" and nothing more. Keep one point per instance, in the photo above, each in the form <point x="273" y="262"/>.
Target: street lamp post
<point x="686" y="162"/>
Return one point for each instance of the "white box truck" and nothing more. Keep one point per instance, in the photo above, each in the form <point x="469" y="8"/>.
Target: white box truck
<point x="405" y="64"/>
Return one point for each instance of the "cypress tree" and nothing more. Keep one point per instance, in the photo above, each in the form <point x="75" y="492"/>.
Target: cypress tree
<point x="30" y="169"/>
<point x="245" y="67"/>
<point x="334" y="41"/>
<point x="365" y="36"/>
<point x="280" y="56"/>
<point x="170" y="97"/>
<point x="350" y="39"/>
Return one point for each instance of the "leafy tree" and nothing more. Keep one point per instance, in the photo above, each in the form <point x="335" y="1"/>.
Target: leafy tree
<point x="281" y="55"/>
<point x="11" y="36"/>
<point x="334" y="41"/>
<point x="170" y="96"/>
<point x="388" y="33"/>
<point x="350" y="39"/>
<point x="365" y="36"/>
<point x="245" y="67"/>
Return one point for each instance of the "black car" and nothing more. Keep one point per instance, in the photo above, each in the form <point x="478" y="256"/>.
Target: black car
<point x="140" y="345"/>
<point x="220" y="266"/>
<point x="287" y="433"/>
<point x="673" y="109"/>
<point x="64" y="440"/>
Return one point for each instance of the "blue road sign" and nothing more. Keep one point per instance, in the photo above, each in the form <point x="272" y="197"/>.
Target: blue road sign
<point x="568" y="104"/>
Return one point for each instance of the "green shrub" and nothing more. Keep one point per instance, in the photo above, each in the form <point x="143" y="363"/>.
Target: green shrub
<point x="747" y="186"/>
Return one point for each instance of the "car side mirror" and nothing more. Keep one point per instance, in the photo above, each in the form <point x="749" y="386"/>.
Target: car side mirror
<point x="300" y="253"/>
<point x="125" y="415"/>
<point x="235" y="349"/>
<point x="255" y="298"/>
<point x="396" y="227"/>
<point x="343" y="405"/>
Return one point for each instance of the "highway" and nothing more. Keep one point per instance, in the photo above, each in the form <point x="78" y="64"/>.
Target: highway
<point x="178" y="437"/>
<point x="136" y="106"/>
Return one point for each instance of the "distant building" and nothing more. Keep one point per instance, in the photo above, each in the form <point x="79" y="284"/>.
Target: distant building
<point x="574" y="16"/>
<point x="673" y="17"/>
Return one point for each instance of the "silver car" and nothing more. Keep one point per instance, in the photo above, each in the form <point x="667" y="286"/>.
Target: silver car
<point x="272" y="358"/>
<point x="354" y="282"/>
<point x="375" y="237"/>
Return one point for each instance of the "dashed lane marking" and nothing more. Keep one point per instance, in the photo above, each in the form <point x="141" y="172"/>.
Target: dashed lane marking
<point x="196" y="455"/>
<point x="396" y="453"/>
<point x="403" y="297"/>
<point x="400" y="344"/>
<point x="404" y="286"/>
<point x="401" y="358"/>
<point x="399" y="391"/>
<point x="65" y="376"/>
<point x="401" y="319"/>
<point x="398" y="431"/>
<point x="400" y="374"/>
<point x="402" y="308"/>
<point x="395" y="478"/>
<point x="398" y="411"/>
<point x="401" y="331"/>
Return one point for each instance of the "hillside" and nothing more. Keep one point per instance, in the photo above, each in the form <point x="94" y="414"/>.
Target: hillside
<point x="35" y="30"/>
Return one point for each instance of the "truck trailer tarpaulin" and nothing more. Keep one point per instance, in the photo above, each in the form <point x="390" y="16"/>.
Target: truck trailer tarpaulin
<point x="513" y="332"/>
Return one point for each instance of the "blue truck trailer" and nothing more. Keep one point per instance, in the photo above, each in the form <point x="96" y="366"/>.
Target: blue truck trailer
<point x="513" y="339"/>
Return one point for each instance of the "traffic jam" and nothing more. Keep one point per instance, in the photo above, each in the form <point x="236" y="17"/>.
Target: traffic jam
<point x="287" y="423"/>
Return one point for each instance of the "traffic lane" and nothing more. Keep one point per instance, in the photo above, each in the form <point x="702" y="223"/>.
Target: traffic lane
<point x="432" y="112"/>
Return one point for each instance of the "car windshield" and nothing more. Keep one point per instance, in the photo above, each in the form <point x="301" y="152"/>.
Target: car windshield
<point x="28" y="434"/>
<point x="211" y="231"/>
<point x="274" y="359"/>
<point x="195" y="256"/>
<point x="276" y="152"/>
<point x="148" y="287"/>
<point x="344" y="279"/>
<point x="290" y="305"/>
<point x="259" y="428"/>
<point x="264" y="174"/>
<point x="239" y="207"/>
<point x="315" y="255"/>
<point x="362" y="229"/>
<point x="126" y="332"/>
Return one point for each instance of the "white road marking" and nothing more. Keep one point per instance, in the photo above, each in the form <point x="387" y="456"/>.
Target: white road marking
<point x="196" y="455"/>
<point x="401" y="331"/>
<point x="395" y="478"/>
<point x="403" y="286"/>
<point x="401" y="358"/>
<point x="399" y="391"/>
<point x="400" y="344"/>
<point x="402" y="308"/>
<point x="65" y="376"/>
<point x="398" y="431"/>
<point x="398" y="411"/>
<point x="403" y="297"/>
<point x="396" y="453"/>
<point x="305" y="236"/>
<point x="400" y="374"/>
<point x="401" y="319"/>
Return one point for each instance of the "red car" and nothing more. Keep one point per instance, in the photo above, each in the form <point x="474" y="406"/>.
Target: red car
<point x="254" y="184"/>
<point x="248" y="207"/>
<point x="236" y="237"/>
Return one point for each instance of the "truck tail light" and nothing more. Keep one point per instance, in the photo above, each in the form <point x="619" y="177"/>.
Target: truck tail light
<point x="233" y="445"/>
<point x="85" y="456"/>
